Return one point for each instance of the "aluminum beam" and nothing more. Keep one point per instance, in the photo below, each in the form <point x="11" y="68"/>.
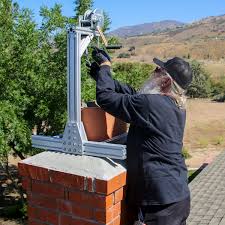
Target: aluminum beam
<point x="99" y="149"/>
<point x="47" y="142"/>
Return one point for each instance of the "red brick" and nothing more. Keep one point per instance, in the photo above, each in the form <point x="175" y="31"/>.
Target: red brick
<point x="48" y="216"/>
<point x="83" y="212"/>
<point x="22" y="168"/>
<point x="35" y="222"/>
<point x="38" y="173"/>
<point x="64" y="206"/>
<point x="69" y="220"/>
<point x="90" y="183"/>
<point x="34" y="172"/>
<point x="118" y="195"/>
<point x="117" y="221"/>
<point x="31" y="211"/>
<point x="44" y="215"/>
<point x="26" y="183"/>
<point x="42" y="201"/>
<point x="67" y="180"/>
<point x="116" y="209"/>
<point x="107" y="187"/>
<point x="50" y="190"/>
<point x="103" y="216"/>
<point x="91" y="199"/>
<point x="101" y="186"/>
<point x="117" y="182"/>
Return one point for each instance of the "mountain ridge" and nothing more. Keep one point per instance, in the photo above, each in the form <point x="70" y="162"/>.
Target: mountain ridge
<point x="201" y="40"/>
<point x="146" y="28"/>
<point x="160" y="26"/>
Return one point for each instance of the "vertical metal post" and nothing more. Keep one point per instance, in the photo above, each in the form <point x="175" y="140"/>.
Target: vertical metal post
<point x="74" y="78"/>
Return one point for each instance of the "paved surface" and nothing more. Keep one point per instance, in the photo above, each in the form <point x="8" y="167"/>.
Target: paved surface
<point x="208" y="195"/>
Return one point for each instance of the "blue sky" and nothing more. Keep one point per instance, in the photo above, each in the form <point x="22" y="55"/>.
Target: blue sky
<point x="131" y="12"/>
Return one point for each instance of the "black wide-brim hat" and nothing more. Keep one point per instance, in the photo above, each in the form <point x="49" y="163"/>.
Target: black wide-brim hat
<point x="178" y="69"/>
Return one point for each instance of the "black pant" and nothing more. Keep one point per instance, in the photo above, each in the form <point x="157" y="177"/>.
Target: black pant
<point x="171" y="214"/>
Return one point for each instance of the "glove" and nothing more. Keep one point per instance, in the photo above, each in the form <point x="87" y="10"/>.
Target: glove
<point x="94" y="68"/>
<point x="100" y="56"/>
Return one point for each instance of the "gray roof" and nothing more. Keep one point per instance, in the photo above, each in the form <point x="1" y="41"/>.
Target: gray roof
<point x="208" y="195"/>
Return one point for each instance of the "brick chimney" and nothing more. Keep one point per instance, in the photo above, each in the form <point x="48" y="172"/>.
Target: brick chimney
<point x="65" y="189"/>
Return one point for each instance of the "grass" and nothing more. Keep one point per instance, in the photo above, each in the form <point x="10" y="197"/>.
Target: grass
<point x="219" y="140"/>
<point x="185" y="153"/>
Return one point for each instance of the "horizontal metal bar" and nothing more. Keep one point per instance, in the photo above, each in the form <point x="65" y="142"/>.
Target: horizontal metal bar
<point x="101" y="149"/>
<point x="87" y="31"/>
<point x="46" y="142"/>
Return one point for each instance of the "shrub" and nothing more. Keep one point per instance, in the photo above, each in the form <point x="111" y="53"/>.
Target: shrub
<point x="218" y="89"/>
<point x="219" y="140"/>
<point x="185" y="153"/>
<point x="132" y="48"/>
<point x="133" y="74"/>
<point x="201" y="83"/>
<point x="123" y="55"/>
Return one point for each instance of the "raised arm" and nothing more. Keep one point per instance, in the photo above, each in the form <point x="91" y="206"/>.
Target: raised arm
<point x="127" y="107"/>
<point x="124" y="88"/>
<point x="119" y="87"/>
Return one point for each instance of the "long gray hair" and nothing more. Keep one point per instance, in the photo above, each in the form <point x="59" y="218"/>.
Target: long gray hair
<point x="153" y="86"/>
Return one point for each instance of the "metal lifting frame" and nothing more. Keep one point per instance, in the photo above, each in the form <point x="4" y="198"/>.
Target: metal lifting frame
<point x="74" y="140"/>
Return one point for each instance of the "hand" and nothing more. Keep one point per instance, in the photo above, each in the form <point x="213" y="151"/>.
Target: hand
<point x="100" y="56"/>
<point x="94" y="68"/>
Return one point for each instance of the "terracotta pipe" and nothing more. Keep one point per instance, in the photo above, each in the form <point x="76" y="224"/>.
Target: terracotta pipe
<point x="100" y="125"/>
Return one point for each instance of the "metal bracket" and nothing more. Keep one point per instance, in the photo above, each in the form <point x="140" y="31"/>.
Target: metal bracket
<point x="74" y="139"/>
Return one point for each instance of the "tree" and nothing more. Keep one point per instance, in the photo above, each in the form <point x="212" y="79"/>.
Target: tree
<point x="32" y="74"/>
<point x="15" y="73"/>
<point x="81" y="6"/>
<point x="107" y="22"/>
<point x="201" y="83"/>
<point x="15" y="135"/>
<point x="134" y="74"/>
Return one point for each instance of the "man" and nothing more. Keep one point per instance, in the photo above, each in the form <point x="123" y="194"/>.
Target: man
<point x="157" y="175"/>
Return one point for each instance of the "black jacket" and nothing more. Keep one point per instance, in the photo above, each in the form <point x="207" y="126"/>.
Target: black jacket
<point x="157" y="172"/>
